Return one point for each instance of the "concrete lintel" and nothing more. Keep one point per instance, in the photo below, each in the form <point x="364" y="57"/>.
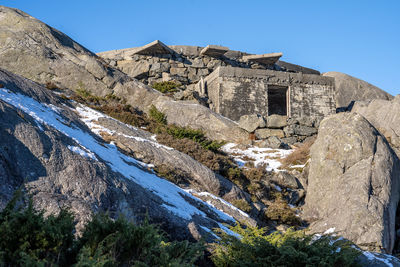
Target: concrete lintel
<point x="267" y="59"/>
<point x="154" y="48"/>
<point x="214" y="50"/>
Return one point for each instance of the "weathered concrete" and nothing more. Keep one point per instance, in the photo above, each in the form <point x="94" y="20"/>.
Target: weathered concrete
<point x="266" y="59"/>
<point x="290" y="67"/>
<point x="235" y="92"/>
<point x="154" y="48"/>
<point x="214" y="50"/>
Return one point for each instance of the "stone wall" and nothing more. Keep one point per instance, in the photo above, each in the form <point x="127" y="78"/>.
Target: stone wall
<point x="184" y="64"/>
<point x="234" y="92"/>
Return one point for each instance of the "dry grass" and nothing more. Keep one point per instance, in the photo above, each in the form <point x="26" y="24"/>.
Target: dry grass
<point x="299" y="156"/>
<point x="280" y="211"/>
<point x="51" y="86"/>
<point x="108" y="138"/>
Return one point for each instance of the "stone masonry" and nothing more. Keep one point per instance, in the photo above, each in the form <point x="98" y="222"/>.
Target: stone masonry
<point x="234" y="92"/>
<point x="238" y="85"/>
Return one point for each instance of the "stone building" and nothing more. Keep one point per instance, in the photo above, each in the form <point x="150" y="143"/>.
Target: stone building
<point x="234" y="92"/>
<point x="233" y="83"/>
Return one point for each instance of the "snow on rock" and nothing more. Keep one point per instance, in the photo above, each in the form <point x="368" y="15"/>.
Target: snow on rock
<point x="259" y="156"/>
<point x="82" y="152"/>
<point x="174" y="197"/>
<point x="222" y="201"/>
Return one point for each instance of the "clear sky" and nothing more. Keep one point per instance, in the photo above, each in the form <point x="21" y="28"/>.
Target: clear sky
<point x="357" y="37"/>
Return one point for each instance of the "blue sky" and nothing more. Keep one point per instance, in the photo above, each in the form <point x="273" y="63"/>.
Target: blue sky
<point x="360" y="38"/>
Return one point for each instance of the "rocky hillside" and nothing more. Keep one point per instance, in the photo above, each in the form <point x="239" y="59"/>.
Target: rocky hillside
<point x="78" y="133"/>
<point x="39" y="52"/>
<point x="49" y="147"/>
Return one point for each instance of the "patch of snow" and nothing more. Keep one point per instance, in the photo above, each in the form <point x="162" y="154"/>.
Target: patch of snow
<point x="298" y="166"/>
<point x="209" y="231"/>
<point x="172" y="196"/>
<point x="259" y="156"/>
<point x="140" y="139"/>
<point x="83" y="152"/>
<point x="330" y="231"/>
<point x="372" y="256"/>
<point x="226" y="203"/>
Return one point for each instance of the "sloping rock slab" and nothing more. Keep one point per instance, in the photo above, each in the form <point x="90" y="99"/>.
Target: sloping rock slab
<point x="353" y="183"/>
<point x="45" y="146"/>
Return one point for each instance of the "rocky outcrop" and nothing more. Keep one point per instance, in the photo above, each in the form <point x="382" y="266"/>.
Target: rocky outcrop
<point x="48" y="148"/>
<point x="39" y="52"/>
<point x="350" y="89"/>
<point x="384" y="115"/>
<point x="195" y="176"/>
<point x="353" y="183"/>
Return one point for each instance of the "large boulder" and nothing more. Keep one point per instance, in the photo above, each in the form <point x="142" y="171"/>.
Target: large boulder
<point x="43" y="54"/>
<point x="353" y="183"/>
<point x="384" y="115"/>
<point x="251" y="122"/>
<point x="350" y="89"/>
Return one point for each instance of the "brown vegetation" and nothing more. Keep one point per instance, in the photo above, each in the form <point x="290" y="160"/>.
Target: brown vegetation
<point x="280" y="211"/>
<point x="299" y="156"/>
<point x="51" y="85"/>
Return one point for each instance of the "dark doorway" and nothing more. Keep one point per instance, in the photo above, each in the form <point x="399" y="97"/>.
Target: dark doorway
<point x="277" y="100"/>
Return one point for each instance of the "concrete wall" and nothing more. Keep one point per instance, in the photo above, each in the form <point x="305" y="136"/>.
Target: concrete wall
<point x="235" y="92"/>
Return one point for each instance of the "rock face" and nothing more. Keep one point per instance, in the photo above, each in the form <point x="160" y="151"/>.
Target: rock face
<point x="197" y="177"/>
<point x="353" y="182"/>
<point x="384" y="115"/>
<point x="46" y="146"/>
<point x="41" y="53"/>
<point x="349" y="89"/>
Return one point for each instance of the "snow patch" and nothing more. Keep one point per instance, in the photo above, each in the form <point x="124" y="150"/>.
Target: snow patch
<point x="223" y="201"/>
<point x="82" y="152"/>
<point x="330" y="231"/>
<point x="259" y="156"/>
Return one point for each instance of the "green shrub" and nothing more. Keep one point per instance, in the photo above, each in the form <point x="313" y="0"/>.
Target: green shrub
<point x="157" y="115"/>
<point x="29" y="239"/>
<point x="166" y="87"/>
<point x="292" y="248"/>
<point x="108" y="242"/>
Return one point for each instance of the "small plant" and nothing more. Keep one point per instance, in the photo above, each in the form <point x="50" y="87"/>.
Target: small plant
<point x="171" y="174"/>
<point x="293" y="248"/>
<point x="157" y="115"/>
<point x="51" y="85"/>
<point x="166" y="87"/>
<point x="242" y="204"/>
<point x="280" y="211"/>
